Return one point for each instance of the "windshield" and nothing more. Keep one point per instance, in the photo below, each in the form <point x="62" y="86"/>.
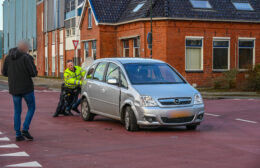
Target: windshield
<point x="150" y="73"/>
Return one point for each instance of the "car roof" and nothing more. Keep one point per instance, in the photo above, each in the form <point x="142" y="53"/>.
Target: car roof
<point x="132" y="60"/>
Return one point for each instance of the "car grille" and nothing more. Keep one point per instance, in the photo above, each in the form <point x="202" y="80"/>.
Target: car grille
<point x="175" y="101"/>
<point x="177" y="120"/>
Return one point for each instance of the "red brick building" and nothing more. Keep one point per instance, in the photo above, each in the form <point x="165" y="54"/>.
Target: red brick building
<point x="199" y="38"/>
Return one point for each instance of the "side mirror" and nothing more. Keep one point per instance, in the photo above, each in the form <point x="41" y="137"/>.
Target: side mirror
<point x="113" y="81"/>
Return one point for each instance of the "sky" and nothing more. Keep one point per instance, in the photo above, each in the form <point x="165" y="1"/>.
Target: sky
<point x="1" y="15"/>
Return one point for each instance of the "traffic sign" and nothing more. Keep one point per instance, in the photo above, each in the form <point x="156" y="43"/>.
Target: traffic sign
<point x="75" y="43"/>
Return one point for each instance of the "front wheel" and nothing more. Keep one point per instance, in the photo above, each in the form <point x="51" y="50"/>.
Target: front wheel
<point x="130" y="120"/>
<point x="191" y="127"/>
<point x="85" y="111"/>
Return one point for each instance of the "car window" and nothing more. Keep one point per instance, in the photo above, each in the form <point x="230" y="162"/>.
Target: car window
<point x="152" y="73"/>
<point x="91" y="71"/>
<point x="99" y="73"/>
<point x="123" y="80"/>
<point x="112" y="72"/>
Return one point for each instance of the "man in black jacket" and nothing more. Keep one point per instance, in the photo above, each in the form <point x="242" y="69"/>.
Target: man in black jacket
<point x="19" y="68"/>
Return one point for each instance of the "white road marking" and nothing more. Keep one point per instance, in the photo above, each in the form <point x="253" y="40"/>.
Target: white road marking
<point x="17" y="154"/>
<point x="9" y="146"/>
<point x="4" y="139"/>
<point x="253" y="122"/>
<point x="214" y="115"/>
<point x="27" y="164"/>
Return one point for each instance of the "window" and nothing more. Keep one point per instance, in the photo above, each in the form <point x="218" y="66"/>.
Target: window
<point x="245" y="6"/>
<point x="194" y="52"/>
<point x="89" y="18"/>
<point x="61" y="64"/>
<point x="99" y="73"/>
<point x="246" y="54"/>
<point x="137" y="47"/>
<point x="126" y="48"/>
<point x="152" y="73"/>
<point x="220" y="54"/>
<point x="67" y="32"/>
<point x="86" y="49"/>
<point x="91" y="71"/>
<point x="94" y="50"/>
<point x="46" y="60"/>
<point x="73" y="31"/>
<point x="53" y="64"/>
<point x="61" y="36"/>
<point x="53" y="37"/>
<point x="138" y="7"/>
<point x="123" y="81"/>
<point x="46" y="39"/>
<point x="200" y="4"/>
<point x="112" y="72"/>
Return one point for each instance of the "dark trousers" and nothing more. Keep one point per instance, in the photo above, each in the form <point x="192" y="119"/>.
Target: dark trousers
<point x="30" y="101"/>
<point x="76" y="101"/>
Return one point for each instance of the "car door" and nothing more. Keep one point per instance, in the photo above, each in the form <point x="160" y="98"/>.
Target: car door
<point x="95" y="88"/>
<point x="111" y="93"/>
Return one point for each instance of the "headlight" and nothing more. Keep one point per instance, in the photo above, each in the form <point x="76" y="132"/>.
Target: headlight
<point x="198" y="99"/>
<point x="148" y="101"/>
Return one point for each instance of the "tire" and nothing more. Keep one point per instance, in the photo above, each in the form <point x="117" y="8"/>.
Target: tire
<point x="86" y="115"/>
<point x="191" y="127"/>
<point x="130" y="121"/>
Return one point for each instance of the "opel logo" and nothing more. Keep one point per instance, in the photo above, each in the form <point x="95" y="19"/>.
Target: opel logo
<point x="177" y="101"/>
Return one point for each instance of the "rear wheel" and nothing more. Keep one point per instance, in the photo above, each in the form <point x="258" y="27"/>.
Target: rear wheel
<point x="130" y="121"/>
<point x="191" y="127"/>
<point x="85" y="111"/>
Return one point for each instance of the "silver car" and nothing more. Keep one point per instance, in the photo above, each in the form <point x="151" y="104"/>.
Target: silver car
<point x="140" y="92"/>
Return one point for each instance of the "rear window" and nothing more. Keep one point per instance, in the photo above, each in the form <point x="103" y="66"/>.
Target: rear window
<point x="100" y="70"/>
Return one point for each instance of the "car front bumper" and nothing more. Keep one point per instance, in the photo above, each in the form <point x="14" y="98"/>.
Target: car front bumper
<point x="159" y="116"/>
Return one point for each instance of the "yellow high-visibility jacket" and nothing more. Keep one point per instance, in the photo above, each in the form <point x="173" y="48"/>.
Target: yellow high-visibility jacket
<point x="72" y="79"/>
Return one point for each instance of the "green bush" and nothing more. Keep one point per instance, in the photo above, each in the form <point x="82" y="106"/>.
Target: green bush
<point x="230" y="78"/>
<point x="227" y="80"/>
<point x="254" y="78"/>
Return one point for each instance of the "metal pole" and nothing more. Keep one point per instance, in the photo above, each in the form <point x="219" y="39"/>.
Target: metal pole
<point x="151" y="15"/>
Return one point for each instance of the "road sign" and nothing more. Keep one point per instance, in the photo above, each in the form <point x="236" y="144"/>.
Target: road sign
<point x="75" y="43"/>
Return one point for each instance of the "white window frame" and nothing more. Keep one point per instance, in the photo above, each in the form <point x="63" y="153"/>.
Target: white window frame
<point x="90" y="24"/>
<point x="84" y="43"/>
<point x="221" y="39"/>
<point x="92" y="50"/>
<point x="126" y="48"/>
<point x="139" y="47"/>
<point x="202" y="53"/>
<point x="245" y="39"/>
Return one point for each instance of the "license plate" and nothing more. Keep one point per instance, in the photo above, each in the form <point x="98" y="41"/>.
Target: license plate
<point x="180" y="114"/>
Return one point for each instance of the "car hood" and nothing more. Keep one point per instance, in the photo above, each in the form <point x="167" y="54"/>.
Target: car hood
<point x="166" y="90"/>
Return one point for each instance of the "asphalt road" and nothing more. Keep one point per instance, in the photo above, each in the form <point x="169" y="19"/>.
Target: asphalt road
<point x="228" y="138"/>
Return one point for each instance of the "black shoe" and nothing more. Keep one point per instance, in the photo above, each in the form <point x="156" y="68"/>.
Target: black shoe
<point x="76" y="110"/>
<point x="68" y="113"/>
<point x="20" y="138"/>
<point x="27" y="135"/>
<point x="55" y="115"/>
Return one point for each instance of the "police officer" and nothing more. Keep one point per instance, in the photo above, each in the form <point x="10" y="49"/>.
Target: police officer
<point x="72" y="82"/>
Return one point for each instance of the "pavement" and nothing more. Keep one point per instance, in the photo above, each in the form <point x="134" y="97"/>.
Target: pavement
<point x="228" y="138"/>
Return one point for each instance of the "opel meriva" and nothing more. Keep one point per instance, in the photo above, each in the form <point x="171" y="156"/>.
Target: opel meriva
<point x="140" y="92"/>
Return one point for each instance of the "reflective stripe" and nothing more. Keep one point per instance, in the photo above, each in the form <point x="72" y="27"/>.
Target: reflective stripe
<point x="79" y="82"/>
<point x="75" y="82"/>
